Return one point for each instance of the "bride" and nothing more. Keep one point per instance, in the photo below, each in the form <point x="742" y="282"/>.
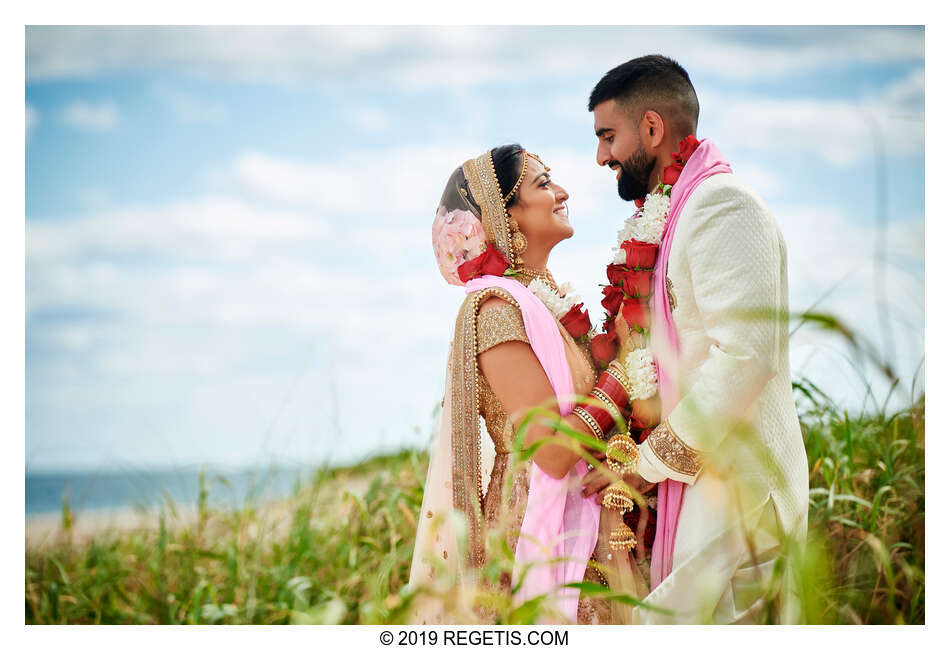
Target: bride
<point x="518" y="363"/>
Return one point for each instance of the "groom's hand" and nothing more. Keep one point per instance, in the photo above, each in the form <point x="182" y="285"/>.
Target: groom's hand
<point x="627" y="339"/>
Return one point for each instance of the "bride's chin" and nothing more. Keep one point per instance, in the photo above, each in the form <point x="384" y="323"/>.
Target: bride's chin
<point x="567" y="233"/>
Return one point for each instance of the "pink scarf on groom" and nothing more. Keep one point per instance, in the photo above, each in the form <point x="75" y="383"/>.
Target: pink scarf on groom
<point x="706" y="161"/>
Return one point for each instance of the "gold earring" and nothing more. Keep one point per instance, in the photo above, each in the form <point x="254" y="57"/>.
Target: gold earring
<point x="519" y="242"/>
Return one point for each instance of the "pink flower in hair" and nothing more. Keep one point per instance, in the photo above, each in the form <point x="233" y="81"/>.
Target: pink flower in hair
<point x="457" y="237"/>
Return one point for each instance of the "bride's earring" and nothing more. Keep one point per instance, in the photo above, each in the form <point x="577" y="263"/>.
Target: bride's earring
<point x="519" y="243"/>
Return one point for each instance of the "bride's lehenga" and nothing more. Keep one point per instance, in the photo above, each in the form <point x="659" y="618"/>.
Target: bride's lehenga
<point x="503" y="505"/>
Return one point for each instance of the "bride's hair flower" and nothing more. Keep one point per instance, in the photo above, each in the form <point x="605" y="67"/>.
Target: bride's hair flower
<point x="490" y="262"/>
<point x="642" y="374"/>
<point x="457" y="237"/>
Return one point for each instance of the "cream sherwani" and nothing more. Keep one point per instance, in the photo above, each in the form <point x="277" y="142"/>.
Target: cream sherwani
<point x="734" y="437"/>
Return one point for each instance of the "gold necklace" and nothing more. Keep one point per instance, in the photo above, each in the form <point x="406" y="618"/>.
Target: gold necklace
<point x="545" y="277"/>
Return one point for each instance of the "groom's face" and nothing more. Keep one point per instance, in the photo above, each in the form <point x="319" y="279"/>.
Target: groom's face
<point x="620" y="147"/>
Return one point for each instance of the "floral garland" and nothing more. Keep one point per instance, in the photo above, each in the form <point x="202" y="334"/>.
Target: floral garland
<point x="630" y="275"/>
<point x="566" y="307"/>
<point x="627" y="293"/>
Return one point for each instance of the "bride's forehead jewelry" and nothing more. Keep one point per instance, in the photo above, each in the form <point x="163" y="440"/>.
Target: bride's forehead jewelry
<point x="540" y="162"/>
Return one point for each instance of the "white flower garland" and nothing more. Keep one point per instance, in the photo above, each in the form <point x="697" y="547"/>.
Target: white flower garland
<point x="641" y="371"/>
<point x="645" y="225"/>
<point x="556" y="303"/>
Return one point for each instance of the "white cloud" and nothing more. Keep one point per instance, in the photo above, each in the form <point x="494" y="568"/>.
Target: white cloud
<point x="216" y="227"/>
<point x="455" y="57"/>
<point x="187" y="108"/>
<point x="89" y="116"/>
<point x="375" y="184"/>
<point x="838" y="131"/>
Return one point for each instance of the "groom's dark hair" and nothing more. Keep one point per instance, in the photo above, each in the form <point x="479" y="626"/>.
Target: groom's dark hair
<point x="652" y="82"/>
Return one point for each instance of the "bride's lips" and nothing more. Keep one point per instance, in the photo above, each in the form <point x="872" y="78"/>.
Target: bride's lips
<point x="562" y="210"/>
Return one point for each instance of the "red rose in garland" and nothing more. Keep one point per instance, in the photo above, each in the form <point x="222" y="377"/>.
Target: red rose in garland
<point x="688" y="145"/>
<point x="634" y="283"/>
<point x="576" y="321"/>
<point x="671" y="173"/>
<point x="639" y="254"/>
<point x="613" y="297"/>
<point x="604" y="349"/>
<point x="490" y="262"/>
<point x="637" y="283"/>
<point x="636" y="313"/>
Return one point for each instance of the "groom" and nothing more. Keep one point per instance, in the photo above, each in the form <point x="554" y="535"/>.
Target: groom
<point x="726" y="448"/>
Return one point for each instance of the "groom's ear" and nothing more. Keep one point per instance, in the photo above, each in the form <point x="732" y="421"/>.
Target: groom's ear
<point x="652" y="129"/>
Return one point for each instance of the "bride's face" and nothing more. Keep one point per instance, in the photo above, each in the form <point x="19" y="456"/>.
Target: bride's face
<point x="541" y="211"/>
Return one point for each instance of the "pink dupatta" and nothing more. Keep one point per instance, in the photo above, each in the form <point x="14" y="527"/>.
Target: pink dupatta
<point x="544" y="534"/>
<point x="706" y="161"/>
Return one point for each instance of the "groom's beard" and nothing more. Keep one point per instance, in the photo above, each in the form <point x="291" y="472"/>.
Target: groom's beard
<point x="634" y="182"/>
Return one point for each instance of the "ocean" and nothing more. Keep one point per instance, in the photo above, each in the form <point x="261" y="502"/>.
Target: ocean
<point x="84" y="491"/>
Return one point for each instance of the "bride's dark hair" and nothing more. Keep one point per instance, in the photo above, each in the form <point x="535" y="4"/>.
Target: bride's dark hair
<point x="508" y="162"/>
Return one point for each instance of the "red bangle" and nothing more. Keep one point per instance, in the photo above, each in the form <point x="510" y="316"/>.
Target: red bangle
<point x="603" y="417"/>
<point x="615" y="390"/>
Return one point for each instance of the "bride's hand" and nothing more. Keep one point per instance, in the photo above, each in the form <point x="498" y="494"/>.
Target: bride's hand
<point x="597" y="480"/>
<point x="601" y="477"/>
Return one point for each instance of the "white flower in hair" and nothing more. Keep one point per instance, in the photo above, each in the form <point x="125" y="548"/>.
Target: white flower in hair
<point x="642" y="374"/>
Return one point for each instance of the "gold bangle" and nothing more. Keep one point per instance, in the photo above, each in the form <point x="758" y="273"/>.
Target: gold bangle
<point x="609" y="406"/>
<point x="589" y="420"/>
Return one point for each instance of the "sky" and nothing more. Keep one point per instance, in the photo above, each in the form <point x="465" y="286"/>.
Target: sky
<point x="228" y="256"/>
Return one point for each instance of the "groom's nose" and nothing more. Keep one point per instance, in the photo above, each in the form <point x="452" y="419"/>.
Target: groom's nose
<point x="603" y="154"/>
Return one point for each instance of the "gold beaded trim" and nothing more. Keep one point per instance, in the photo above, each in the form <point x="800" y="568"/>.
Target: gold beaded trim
<point x="589" y="421"/>
<point x="466" y="430"/>
<point x="524" y="168"/>
<point x="673" y="452"/>
<point x="480" y="174"/>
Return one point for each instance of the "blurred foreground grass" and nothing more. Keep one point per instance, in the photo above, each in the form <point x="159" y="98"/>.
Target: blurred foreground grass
<point x="339" y="550"/>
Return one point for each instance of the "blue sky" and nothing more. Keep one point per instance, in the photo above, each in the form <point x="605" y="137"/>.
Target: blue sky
<point x="227" y="229"/>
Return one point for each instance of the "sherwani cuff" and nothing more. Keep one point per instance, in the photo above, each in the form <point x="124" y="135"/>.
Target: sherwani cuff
<point x="665" y="456"/>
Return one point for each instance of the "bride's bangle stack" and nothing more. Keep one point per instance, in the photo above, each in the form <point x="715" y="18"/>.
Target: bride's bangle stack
<point x="606" y="407"/>
<point x="609" y="405"/>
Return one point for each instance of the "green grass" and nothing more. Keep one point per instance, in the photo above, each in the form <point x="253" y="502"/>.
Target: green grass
<point x="339" y="550"/>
